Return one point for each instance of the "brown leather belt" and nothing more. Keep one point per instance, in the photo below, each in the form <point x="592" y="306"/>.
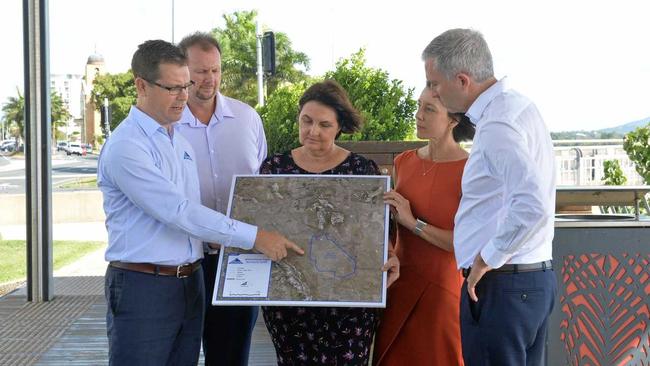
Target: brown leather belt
<point x="515" y="268"/>
<point x="181" y="271"/>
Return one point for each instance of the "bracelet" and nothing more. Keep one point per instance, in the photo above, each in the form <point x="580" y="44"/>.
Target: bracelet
<point x="419" y="226"/>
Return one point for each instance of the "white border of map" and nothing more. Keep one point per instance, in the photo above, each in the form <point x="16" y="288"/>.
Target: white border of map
<point x="369" y="304"/>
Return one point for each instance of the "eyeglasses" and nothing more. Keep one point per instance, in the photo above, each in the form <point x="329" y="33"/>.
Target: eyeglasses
<point x="173" y="90"/>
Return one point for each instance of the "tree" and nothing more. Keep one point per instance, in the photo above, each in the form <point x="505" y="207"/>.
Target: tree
<point x="637" y="147"/>
<point x="386" y="107"/>
<point x="239" y="68"/>
<point x="60" y="116"/>
<point x="613" y="174"/>
<point x="239" y="58"/>
<point x="120" y="91"/>
<point x="280" y="116"/>
<point x="14" y="114"/>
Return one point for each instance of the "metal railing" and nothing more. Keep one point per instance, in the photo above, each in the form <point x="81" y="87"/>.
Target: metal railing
<point x="584" y="165"/>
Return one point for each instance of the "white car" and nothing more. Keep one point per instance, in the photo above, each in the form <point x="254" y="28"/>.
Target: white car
<point x="75" y="148"/>
<point x="8" y="145"/>
<point x="62" y="146"/>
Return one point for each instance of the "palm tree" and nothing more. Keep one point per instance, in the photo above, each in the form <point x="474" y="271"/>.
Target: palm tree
<point x="14" y="115"/>
<point x="238" y="44"/>
<point x="60" y="115"/>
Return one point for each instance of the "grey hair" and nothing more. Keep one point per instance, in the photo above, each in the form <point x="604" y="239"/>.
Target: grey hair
<point x="461" y="50"/>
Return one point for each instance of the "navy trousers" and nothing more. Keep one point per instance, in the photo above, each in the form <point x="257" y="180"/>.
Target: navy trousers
<point x="153" y="320"/>
<point x="508" y="325"/>
<point x="227" y="330"/>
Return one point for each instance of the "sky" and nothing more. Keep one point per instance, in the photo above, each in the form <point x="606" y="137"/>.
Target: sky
<point x="586" y="64"/>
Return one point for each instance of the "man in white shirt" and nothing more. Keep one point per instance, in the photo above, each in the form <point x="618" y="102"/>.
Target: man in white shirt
<point x="504" y="225"/>
<point x="228" y="138"/>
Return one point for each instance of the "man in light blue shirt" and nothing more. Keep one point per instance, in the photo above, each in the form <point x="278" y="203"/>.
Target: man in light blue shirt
<point x="156" y="224"/>
<point x="228" y="138"/>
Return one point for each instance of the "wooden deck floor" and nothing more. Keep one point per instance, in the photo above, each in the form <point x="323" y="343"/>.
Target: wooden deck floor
<point x="71" y="329"/>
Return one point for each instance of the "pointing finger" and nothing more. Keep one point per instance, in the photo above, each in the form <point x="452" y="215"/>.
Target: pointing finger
<point x="293" y="246"/>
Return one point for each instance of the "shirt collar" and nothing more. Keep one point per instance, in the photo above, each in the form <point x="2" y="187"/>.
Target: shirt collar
<point x="223" y="110"/>
<point x="188" y="118"/>
<point x="148" y="124"/>
<point x="475" y="111"/>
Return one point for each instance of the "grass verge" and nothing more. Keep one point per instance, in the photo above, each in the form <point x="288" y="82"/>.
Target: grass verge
<point x="13" y="253"/>
<point x="81" y="183"/>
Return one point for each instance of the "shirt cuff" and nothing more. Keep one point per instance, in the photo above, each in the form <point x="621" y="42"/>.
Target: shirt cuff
<point x="493" y="257"/>
<point x="244" y="236"/>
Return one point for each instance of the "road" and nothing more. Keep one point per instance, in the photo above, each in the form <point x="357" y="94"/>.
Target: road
<point x="64" y="169"/>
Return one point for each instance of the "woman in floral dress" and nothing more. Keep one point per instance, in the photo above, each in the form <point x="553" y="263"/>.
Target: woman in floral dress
<point x="323" y="335"/>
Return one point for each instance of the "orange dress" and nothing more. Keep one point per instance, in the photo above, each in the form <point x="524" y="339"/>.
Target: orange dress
<point x="421" y="323"/>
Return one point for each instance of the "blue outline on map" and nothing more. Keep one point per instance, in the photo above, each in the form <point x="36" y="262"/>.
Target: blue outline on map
<point x="315" y="262"/>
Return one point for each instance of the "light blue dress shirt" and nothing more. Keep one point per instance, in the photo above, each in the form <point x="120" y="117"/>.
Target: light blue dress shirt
<point x="152" y="201"/>
<point x="233" y="142"/>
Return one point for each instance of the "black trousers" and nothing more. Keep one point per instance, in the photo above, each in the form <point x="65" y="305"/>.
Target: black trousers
<point x="508" y="325"/>
<point x="227" y="330"/>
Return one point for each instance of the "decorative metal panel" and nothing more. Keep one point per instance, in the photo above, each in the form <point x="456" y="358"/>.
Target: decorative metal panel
<point x="602" y="313"/>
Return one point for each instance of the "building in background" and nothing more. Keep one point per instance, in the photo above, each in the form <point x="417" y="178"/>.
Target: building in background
<point x="581" y="162"/>
<point x="91" y="126"/>
<point x="70" y="88"/>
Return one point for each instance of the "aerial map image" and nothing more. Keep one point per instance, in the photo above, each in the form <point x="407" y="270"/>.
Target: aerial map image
<point x="340" y="221"/>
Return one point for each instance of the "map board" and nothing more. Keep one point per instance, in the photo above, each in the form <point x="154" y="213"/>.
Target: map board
<point x="340" y="221"/>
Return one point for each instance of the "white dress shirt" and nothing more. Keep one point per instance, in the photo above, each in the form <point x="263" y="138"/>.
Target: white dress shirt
<point x="233" y="142"/>
<point x="151" y="198"/>
<point x="507" y="208"/>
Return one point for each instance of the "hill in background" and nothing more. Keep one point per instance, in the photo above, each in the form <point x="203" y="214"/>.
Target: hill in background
<point x="617" y="132"/>
<point x="631" y="126"/>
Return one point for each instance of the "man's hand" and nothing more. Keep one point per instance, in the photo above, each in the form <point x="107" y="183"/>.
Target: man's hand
<point x="479" y="268"/>
<point x="274" y="245"/>
<point x="392" y="266"/>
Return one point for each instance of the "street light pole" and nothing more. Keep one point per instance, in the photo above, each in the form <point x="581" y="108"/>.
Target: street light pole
<point x="107" y="122"/>
<point x="260" y="70"/>
<point x="172" y="21"/>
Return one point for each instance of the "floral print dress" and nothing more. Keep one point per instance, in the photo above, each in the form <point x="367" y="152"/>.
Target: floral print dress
<point x="321" y="335"/>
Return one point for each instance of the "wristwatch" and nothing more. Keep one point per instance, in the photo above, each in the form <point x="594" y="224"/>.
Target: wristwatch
<point x="419" y="226"/>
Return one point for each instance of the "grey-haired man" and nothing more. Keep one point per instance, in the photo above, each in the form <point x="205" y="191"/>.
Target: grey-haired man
<point x="504" y="225"/>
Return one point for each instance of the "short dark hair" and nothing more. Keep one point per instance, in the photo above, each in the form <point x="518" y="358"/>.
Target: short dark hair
<point x="147" y="59"/>
<point x="204" y="40"/>
<point x="331" y="94"/>
<point x="464" y="130"/>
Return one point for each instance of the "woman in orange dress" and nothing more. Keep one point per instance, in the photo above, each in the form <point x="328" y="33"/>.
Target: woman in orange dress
<point x="421" y="323"/>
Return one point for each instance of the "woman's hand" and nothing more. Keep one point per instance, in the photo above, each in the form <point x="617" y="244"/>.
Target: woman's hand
<point x="392" y="267"/>
<point x="401" y="209"/>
